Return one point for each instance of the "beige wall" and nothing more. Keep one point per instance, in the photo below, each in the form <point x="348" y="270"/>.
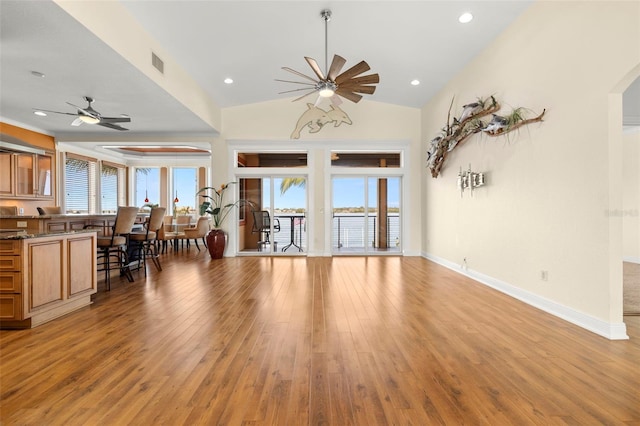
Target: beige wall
<point x="631" y="197"/>
<point x="546" y="203"/>
<point x="375" y="126"/>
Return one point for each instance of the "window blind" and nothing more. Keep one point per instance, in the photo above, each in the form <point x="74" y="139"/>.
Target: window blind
<point x="109" y="189"/>
<point x="79" y="185"/>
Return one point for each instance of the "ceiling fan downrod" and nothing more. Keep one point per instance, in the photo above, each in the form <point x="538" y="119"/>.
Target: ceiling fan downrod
<point x="326" y="15"/>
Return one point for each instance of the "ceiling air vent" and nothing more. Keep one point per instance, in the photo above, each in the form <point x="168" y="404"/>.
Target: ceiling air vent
<point x="157" y="63"/>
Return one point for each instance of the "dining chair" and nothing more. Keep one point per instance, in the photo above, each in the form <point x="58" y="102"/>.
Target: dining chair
<point x="262" y="224"/>
<point x="181" y="223"/>
<point x="166" y="233"/>
<point x="145" y="242"/>
<point x="198" y="231"/>
<point x="114" y="246"/>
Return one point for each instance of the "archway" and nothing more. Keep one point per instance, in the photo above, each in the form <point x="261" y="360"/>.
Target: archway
<point x="615" y="163"/>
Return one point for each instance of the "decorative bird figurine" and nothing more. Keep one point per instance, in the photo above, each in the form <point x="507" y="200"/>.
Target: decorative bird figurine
<point x="433" y="148"/>
<point x="469" y="109"/>
<point x="497" y="123"/>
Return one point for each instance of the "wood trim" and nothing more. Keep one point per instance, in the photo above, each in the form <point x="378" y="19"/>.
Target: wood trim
<point x="33" y="138"/>
<point x="80" y="157"/>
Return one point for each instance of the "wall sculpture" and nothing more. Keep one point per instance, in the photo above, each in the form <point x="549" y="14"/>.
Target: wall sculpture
<point x="315" y="118"/>
<point x="470" y="122"/>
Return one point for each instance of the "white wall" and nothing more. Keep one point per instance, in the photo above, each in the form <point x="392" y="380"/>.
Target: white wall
<point x="376" y="126"/>
<point x="631" y="197"/>
<point x="546" y="205"/>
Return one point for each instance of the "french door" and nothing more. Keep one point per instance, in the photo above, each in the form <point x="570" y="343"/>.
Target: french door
<point x="366" y="215"/>
<point x="274" y="220"/>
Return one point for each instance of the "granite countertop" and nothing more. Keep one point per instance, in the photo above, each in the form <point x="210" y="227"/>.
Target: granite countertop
<point x="66" y="216"/>
<point x="8" y="234"/>
<point x="53" y="216"/>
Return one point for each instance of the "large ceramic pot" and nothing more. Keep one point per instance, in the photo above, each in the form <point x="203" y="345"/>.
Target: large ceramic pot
<point x="216" y="240"/>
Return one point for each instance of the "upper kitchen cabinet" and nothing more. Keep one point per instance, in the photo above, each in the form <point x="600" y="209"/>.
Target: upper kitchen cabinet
<point x="34" y="175"/>
<point x="27" y="164"/>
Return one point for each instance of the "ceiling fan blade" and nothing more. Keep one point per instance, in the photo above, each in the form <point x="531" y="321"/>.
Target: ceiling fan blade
<point x="360" y="89"/>
<point x="76" y="122"/>
<point x="348" y="95"/>
<point x="111" y="126"/>
<point x="365" y="79"/>
<point x="115" y="119"/>
<point x="295" y="82"/>
<point x="294" y="90"/>
<point x="357" y="69"/>
<point x="305" y="95"/>
<point x="314" y="66"/>
<point x="55" y="112"/>
<point x="336" y="65"/>
<point x="298" y="73"/>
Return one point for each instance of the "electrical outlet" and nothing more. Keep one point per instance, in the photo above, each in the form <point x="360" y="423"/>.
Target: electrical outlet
<point x="21" y="224"/>
<point x="544" y="275"/>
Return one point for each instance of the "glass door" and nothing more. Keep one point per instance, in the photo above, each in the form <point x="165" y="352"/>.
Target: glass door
<point x="365" y="215"/>
<point x="273" y="221"/>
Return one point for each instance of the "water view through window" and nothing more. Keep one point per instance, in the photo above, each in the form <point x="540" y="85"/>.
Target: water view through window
<point x="365" y="215"/>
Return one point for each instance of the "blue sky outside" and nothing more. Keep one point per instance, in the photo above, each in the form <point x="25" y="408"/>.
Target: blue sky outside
<point x="347" y="192"/>
<point x="184" y="181"/>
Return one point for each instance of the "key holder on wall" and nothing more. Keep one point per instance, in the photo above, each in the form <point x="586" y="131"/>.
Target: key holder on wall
<point x="469" y="180"/>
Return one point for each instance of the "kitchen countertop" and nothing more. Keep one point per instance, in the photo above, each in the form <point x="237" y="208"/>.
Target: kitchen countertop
<point x="11" y="234"/>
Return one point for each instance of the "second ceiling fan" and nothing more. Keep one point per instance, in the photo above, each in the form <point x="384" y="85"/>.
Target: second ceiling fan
<point x="333" y="84"/>
<point x="89" y="115"/>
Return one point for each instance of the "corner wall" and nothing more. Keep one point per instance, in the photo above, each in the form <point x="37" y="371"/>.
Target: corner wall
<point x="546" y="205"/>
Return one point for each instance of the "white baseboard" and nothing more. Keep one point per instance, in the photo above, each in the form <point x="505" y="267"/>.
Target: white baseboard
<point x="632" y="259"/>
<point x="612" y="331"/>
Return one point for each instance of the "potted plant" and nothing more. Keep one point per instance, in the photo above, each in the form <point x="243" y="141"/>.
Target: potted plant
<point x="215" y="206"/>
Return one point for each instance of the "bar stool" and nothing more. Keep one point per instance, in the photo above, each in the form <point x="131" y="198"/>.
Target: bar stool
<point x="114" y="247"/>
<point x="146" y="242"/>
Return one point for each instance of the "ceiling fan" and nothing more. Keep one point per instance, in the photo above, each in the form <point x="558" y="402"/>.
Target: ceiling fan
<point x="332" y="84"/>
<point x="91" y="116"/>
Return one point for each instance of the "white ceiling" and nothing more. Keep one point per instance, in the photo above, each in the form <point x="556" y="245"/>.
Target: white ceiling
<point x="248" y="41"/>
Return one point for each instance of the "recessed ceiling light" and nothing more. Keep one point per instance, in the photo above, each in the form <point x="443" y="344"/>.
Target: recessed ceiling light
<point x="465" y="18"/>
<point x="40" y="113"/>
<point x="228" y="80"/>
<point x="37" y="74"/>
<point x="415" y="82"/>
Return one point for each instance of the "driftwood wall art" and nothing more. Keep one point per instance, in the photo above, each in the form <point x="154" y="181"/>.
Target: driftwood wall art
<point x="469" y="123"/>
<point x="315" y="118"/>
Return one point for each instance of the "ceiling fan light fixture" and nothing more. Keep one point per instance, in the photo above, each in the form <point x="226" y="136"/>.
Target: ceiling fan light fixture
<point x="88" y="119"/>
<point x="326" y="89"/>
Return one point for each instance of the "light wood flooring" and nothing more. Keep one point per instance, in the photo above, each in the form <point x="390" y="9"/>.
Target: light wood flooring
<point x="297" y="341"/>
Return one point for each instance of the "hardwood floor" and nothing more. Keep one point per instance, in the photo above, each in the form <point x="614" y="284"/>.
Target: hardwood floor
<point x="295" y="341"/>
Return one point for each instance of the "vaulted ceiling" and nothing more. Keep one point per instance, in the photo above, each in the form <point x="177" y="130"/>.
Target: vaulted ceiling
<point x="248" y="41"/>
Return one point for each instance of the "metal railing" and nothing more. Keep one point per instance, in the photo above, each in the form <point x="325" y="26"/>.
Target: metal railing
<point x="348" y="231"/>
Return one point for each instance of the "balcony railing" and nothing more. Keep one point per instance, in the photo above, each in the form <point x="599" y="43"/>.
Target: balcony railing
<point x="348" y="231"/>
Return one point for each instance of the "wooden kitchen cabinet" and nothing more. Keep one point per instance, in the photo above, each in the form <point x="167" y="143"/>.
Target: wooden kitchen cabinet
<point x="33" y="175"/>
<point x="45" y="277"/>
<point x="24" y="175"/>
<point x="6" y="174"/>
